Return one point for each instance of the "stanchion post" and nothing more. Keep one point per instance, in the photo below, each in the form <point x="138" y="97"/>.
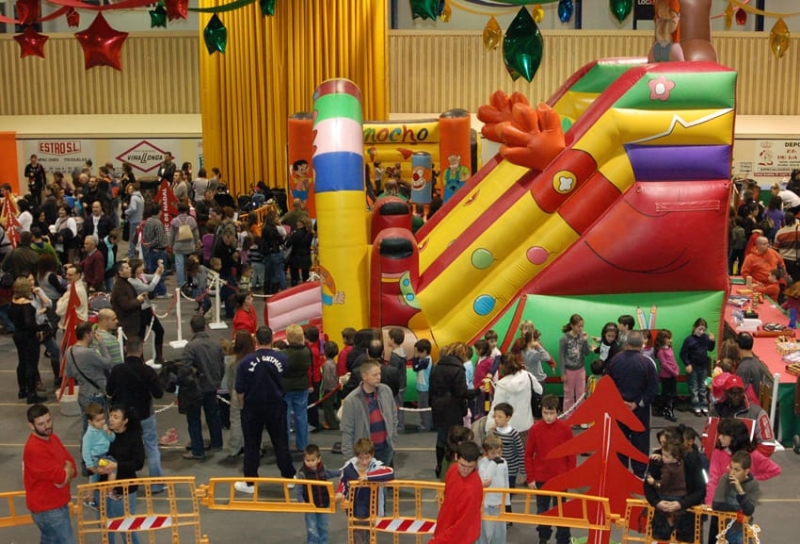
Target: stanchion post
<point x="180" y="343"/>
<point x="217" y="323"/>
<point x="121" y="340"/>
<point x="773" y="407"/>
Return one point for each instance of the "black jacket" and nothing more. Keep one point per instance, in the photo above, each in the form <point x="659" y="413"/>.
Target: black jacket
<point x="448" y="393"/>
<point x="695" y="482"/>
<point x="134" y="384"/>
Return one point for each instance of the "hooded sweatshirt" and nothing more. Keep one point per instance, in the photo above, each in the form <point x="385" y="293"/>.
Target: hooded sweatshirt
<point x="515" y="389"/>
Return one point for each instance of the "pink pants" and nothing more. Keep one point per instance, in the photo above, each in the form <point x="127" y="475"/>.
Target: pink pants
<point x="574" y="387"/>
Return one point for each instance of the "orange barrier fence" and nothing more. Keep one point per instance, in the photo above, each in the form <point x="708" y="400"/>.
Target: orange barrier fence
<point x="269" y="495"/>
<point x="10" y="517"/>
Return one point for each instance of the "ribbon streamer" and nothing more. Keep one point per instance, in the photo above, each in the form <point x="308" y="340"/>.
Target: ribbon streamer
<point x="126" y="4"/>
<point x="750" y="9"/>
<point x="55" y="15"/>
<point x="236" y="4"/>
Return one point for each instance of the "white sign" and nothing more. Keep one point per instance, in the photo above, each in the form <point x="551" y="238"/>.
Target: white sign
<point x="145" y="156"/>
<point x="58" y="155"/>
<point x="776" y="158"/>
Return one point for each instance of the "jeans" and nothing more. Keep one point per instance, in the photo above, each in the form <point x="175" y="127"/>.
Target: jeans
<point x="150" y="437"/>
<point x="180" y="267"/>
<point x="259" y="275"/>
<point x="151" y="258"/>
<point x="55" y="526"/>
<point x="276" y="271"/>
<point x="132" y="228"/>
<point x="386" y="455"/>
<point x="210" y="407"/>
<point x="316" y="528"/>
<point x="425" y="419"/>
<point x="9" y="326"/>
<point x="297" y="410"/>
<point x="697" y="386"/>
<point x="543" y="504"/>
<point x="401" y="420"/>
<point x="116" y="509"/>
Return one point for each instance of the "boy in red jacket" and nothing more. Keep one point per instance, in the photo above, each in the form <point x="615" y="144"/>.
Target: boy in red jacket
<point x="459" y="519"/>
<point x="545" y="435"/>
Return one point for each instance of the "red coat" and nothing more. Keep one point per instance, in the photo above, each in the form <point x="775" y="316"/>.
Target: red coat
<point x="317" y="360"/>
<point x="341" y="362"/>
<point x="245" y="320"/>
<point x="459" y="519"/>
<point x="542" y="439"/>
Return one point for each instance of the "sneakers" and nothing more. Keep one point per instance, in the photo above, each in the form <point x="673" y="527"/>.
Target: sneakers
<point x="169" y="438"/>
<point x="91" y="505"/>
<point x="290" y="486"/>
<point x="242" y="487"/>
<point x="705" y="411"/>
<point x="698" y="412"/>
<point x="188" y="455"/>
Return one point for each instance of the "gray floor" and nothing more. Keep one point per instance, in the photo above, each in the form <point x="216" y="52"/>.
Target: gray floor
<point x="777" y="513"/>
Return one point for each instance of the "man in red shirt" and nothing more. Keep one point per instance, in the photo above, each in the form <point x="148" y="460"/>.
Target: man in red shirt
<point x="761" y="261"/>
<point x="47" y="469"/>
<point x="459" y="519"/>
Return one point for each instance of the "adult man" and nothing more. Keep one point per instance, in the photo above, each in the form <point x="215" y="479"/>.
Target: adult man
<point x="295" y="214"/>
<point x="180" y="188"/>
<point x="761" y="261"/>
<point x="736" y="404"/>
<point x="41" y="246"/>
<point x="787" y="243"/>
<point x="167" y="169"/>
<point x="98" y="223"/>
<point x="22" y="260"/>
<point x="183" y="239"/>
<point x="154" y="244"/>
<point x="36" y="179"/>
<point x="108" y="249"/>
<point x="200" y="185"/>
<point x="126" y="303"/>
<point x="205" y="358"/>
<point x="47" y="470"/>
<point x="398" y="360"/>
<point x="107" y="335"/>
<point x="459" y="518"/>
<point x="135" y="384"/>
<point x="88" y="368"/>
<point x="259" y="389"/>
<point x="94" y="270"/>
<point x="370" y="412"/>
<point x="133" y="214"/>
<point x="74" y="276"/>
<point x="637" y="382"/>
<point x="750" y="367"/>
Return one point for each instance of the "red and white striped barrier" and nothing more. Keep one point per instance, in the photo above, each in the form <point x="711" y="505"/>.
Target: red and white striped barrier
<point x="139" y="523"/>
<point x="406" y="525"/>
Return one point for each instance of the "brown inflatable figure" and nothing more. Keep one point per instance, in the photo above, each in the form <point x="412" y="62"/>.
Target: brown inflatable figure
<point x="690" y="29"/>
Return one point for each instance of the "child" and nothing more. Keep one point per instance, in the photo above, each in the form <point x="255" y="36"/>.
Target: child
<point x="671" y="486"/>
<point x="737" y="493"/>
<point x="607" y="347"/>
<point x="313" y="469"/>
<point x="397" y="360"/>
<point x="197" y="278"/>
<point x="246" y="279"/>
<point x="572" y="351"/>
<point x="513" y="449"/>
<point x="694" y="354"/>
<point x="491" y="337"/>
<point x="469" y="373"/>
<point x="483" y="370"/>
<point x="348" y="336"/>
<point x="534" y="354"/>
<point x="545" y="435"/>
<point x="363" y="467"/>
<point x="422" y="366"/>
<point x="772" y="287"/>
<point x="330" y="383"/>
<point x="722" y="371"/>
<point x="96" y="441"/>
<point x="648" y="350"/>
<point x="456" y="435"/>
<point x="493" y="471"/>
<point x="667" y="374"/>
<point x="625" y="324"/>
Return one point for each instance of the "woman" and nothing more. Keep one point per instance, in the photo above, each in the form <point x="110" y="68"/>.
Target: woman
<point x="695" y="487"/>
<point x="448" y="396"/>
<point x="183" y="239"/>
<point x="243" y="345"/>
<point x="732" y="436"/>
<point x="126" y="303"/>
<point x="245" y="318"/>
<point x="515" y="387"/>
<point x="47" y="322"/>
<point x="773" y="217"/>
<point x="127" y="450"/>
<point x="300" y="257"/>
<point x="296" y="384"/>
<point x="144" y="284"/>
<point x="65" y="231"/>
<point x="270" y="245"/>
<point x="26" y="339"/>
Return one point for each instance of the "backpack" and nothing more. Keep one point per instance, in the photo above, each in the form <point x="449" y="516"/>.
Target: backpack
<point x="185" y="233"/>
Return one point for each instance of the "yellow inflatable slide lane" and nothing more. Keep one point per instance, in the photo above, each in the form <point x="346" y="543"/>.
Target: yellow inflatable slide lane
<point x="514" y="224"/>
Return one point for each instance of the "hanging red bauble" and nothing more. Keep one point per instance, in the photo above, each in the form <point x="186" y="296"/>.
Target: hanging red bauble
<point x="31" y="43"/>
<point x="176" y="9"/>
<point x="28" y="11"/>
<point x="741" y="17"/>
<point x="102" y="45"/>
<point x="73" y="18"/>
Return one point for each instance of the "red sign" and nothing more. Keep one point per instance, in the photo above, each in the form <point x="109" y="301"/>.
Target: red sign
<point x="168" y="203"/>
<point x="144" y="156"/>
<point x="60" y="147"/>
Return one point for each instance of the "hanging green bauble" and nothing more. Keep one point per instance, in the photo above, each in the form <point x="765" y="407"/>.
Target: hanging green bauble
<point x="158" y="17"/>
<point x="215" y="35"/>
<point x="523" y="46"/>
<point x="425" y="9"/>
<point x="267" y="7"/>
<point x="620" y="8"/>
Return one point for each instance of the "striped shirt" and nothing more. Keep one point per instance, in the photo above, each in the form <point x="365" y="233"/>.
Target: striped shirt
<point x="513" y="451"/>
<point x="377" y="426"/>
<point x="112" y="344"/>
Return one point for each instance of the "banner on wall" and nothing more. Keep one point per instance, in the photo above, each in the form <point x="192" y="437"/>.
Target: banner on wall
<point x="643" y="10"/>
<point x="145" y="156"/>
<point x="58" y="155"/>
<point x="776" y="158"/>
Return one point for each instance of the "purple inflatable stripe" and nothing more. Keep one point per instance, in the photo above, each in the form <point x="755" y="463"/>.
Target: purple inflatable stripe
<point x="680" y="163"/>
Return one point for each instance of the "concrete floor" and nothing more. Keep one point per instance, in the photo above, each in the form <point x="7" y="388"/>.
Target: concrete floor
<point x="777" y="513"/>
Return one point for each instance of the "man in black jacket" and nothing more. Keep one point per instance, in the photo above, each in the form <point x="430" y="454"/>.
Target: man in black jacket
<point x="135" y="384"/>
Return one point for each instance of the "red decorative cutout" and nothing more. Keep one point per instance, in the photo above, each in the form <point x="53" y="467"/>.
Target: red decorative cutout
<point x="102" y="45"/>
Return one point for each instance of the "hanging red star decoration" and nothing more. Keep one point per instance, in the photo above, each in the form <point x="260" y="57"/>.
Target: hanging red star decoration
<point x="102" y="45"/>
<point x="176" y="9"/>
<point x="28" y="11"/>
<point x="73" y="18"/>
<point x="31" y="43"/>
